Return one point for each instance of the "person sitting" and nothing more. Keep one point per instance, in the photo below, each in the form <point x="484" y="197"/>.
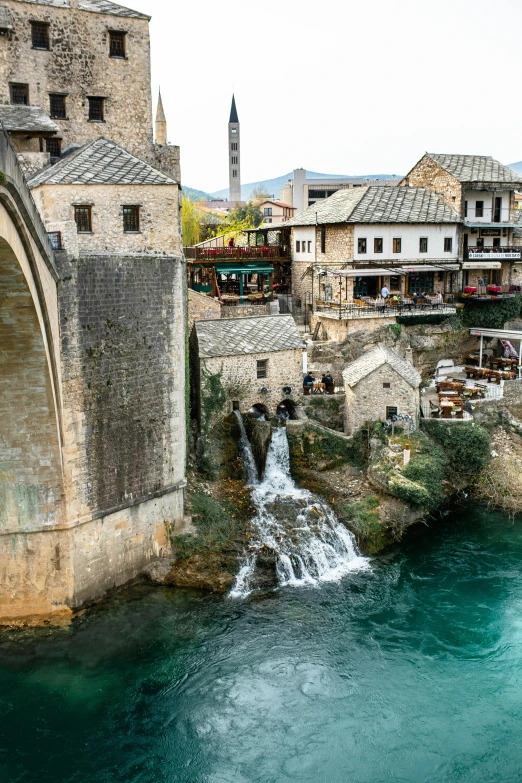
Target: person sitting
<point x="437" y="299"/>
<point x="231" y="242"/>
<point x="308" y="381"/>
<point x="329" y="382"/>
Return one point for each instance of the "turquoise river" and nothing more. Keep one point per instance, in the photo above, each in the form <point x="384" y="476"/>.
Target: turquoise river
<point x="408" y="672"/>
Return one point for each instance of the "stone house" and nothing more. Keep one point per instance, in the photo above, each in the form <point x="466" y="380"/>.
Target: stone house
<point x="102" y="199"/>
<point x="482" y="191"/>
<point x="258" y="361"/>
<point x="378" y="385"/>
<point x="85" y="65"/>
<point x="405" y="239"/>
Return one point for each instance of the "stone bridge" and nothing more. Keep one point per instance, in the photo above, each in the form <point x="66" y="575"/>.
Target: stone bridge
<point x="92" y="417"/>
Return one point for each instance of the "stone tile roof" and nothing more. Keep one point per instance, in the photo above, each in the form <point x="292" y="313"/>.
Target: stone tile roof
<point x="97" y="6"/>
<point x="233" y="336"/>
<point x="27" y="119"/>
<point x="476" y="168"/>
<point x="6" y="19"/>
<point x="378" y="205"/>
<point x="100" y="162"/>
<point x="375" y="358"/>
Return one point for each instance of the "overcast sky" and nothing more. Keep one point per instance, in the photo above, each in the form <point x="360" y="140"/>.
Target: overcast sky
<point x="337" y="86"/>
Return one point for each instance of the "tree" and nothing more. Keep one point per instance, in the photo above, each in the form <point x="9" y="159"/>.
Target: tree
<point x="190" y="223"/>
<point x="260" y="194"/>
<point x="250" y="214"/>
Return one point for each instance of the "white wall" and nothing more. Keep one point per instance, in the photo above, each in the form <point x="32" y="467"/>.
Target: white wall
<point x="410" y="235"/>
<point x="304" y="234"/>
<point x="472" y="196"/>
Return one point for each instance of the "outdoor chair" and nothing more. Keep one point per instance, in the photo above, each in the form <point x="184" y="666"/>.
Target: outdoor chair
<point x="434" y="411"/>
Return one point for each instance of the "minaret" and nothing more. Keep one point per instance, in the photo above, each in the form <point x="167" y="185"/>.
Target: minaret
<point x="234" y="155"/>
<point x="161" y="123"/>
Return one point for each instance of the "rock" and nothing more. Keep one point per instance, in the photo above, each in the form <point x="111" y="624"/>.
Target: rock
<point x="158" y="570"/>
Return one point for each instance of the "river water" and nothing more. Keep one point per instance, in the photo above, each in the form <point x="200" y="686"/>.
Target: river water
<point x="409" y="671"/>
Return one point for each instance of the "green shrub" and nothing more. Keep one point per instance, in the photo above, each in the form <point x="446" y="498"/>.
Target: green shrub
<point x="490" y="313"/>
<point x="358" y="451"/>
<point x="216" y="524"/>
<point x="396" y="330"/>
<point x="362" y="516"/>
<point x="467" y="446"/>
<point x="410" y="492"/>
<point x="415" y="320"/>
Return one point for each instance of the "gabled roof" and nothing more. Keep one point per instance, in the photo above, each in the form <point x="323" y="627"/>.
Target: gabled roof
<point x="100" y="162"/>
<point x="96" y="6"/>
<point x="239" y="336"/>
<point x="375" y="358"/>
<point x="476" y="168"/>
<point x="26" y="119"/>
<point x="277" y="203"/>
<point x="378" y="205"/>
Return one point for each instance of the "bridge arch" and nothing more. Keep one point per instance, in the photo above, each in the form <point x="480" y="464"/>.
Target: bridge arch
<point x="31" y="475"/>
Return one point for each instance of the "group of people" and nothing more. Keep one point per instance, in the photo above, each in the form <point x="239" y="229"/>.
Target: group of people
<point x="327" y="381"/>
<point x="395" y="299"/>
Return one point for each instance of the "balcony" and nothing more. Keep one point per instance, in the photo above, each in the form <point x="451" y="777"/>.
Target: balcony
<point x="209" y="255"/>
<point x="493" y="254"/>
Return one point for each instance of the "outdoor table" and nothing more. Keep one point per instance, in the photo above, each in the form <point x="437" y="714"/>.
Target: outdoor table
<point x="318" y="387"/>
<point x="469" y="289"/>
<point x="494" y="289"/>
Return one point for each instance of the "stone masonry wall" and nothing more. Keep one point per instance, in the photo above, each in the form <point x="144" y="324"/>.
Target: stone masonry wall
<point x="334" y="329"/>
<point x="202" y="308"/>
<point x="367" y="400"/>
<point x="159" y="217"/>
<point x="239" y="378"/>
<point x="79" y="65"/>
<point x="123" y="351"/>
<point x="428" y="174"/>
<point x="339" y="249"/>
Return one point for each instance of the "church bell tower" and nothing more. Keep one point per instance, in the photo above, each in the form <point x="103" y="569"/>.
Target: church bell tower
<point x="234" y="155"/>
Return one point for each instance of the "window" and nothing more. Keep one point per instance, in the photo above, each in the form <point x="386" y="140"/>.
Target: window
<point x="309" y="247"/>
<point x="497" y="210"/>
<point x="268" y="210"/>
<point x="496" y="242"/>
<point x="386" y="386"/>
<point x="96" y="109"/>
<point x="323" y="239"/>
<point x="131" y="219"/>
<point x="465" y="209"/>
<point x="233" y="130"/>
<point x="448" y="244"/>
<point x="377" y="245"/>
<point x="479" y="209"/>
<point x="40" y="35"/>
<point x="361" y="245"/>
<point x="268" y="220"/>
<point x="20" y="94"/>
<point x="395" y="283"/>
<point x="57" y="106"/>
<point x="234" y="160"/>
<point x="391" y="413"/>
<point x="55" y="238"/>
<point x="117" y="44"/>
<point x="234" y="172"/>
<point x="233" y="146"/>
<point x="262" y="367"/>
<point x="54" y="146"/>
<point x="83" y="217"/>
<point x="298" y="246"/>
<point x="423" y="245"/>
<point x="421" y="282"/>
<point x="397" y="245"/>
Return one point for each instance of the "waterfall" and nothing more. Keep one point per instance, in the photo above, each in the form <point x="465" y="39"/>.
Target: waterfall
<point x="309" y="542"/>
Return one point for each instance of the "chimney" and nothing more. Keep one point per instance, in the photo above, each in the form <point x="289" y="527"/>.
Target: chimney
<point x="161" y="124"/>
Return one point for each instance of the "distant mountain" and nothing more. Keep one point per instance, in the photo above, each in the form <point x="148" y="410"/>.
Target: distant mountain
<point x="516" y="166"/>
<point x="273" y="186"/>
<point x="196" y="195"/>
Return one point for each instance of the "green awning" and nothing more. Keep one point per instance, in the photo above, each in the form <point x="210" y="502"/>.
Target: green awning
<point x="244" y="268"/>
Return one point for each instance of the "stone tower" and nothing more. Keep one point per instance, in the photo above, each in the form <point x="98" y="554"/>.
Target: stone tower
<point x="161" y="123"/>
<point x="234" y="155"/>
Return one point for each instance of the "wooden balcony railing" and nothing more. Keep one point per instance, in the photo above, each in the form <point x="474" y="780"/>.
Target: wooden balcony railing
<point x="240" y="253"/>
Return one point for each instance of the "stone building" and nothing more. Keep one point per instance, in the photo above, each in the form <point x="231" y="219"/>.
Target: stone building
<point x="482" y="191"/>
<point x="404" y="239"/>
<point x="378" y="385"/>
<point x="258" y="361"/>
<point x="102" y="199"/>
<point x="85" y="65"/>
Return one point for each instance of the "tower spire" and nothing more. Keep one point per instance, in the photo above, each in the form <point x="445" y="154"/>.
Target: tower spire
<point x="161" y="123"/>
<point x="234" y="154"/>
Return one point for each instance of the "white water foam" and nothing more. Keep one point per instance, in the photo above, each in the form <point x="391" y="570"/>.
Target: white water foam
<point x="310" y="544"/>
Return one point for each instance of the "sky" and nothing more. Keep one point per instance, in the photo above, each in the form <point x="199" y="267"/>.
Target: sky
<point x="338" y="86"/>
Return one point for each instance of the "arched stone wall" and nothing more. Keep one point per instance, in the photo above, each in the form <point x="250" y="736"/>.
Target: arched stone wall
<point x="31" y="492"/>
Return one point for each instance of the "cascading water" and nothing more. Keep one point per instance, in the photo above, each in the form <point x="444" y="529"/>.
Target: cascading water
<point x="309" y="542"/>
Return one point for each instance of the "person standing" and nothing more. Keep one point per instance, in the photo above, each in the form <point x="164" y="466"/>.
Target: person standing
<point x="385" y="292"/>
